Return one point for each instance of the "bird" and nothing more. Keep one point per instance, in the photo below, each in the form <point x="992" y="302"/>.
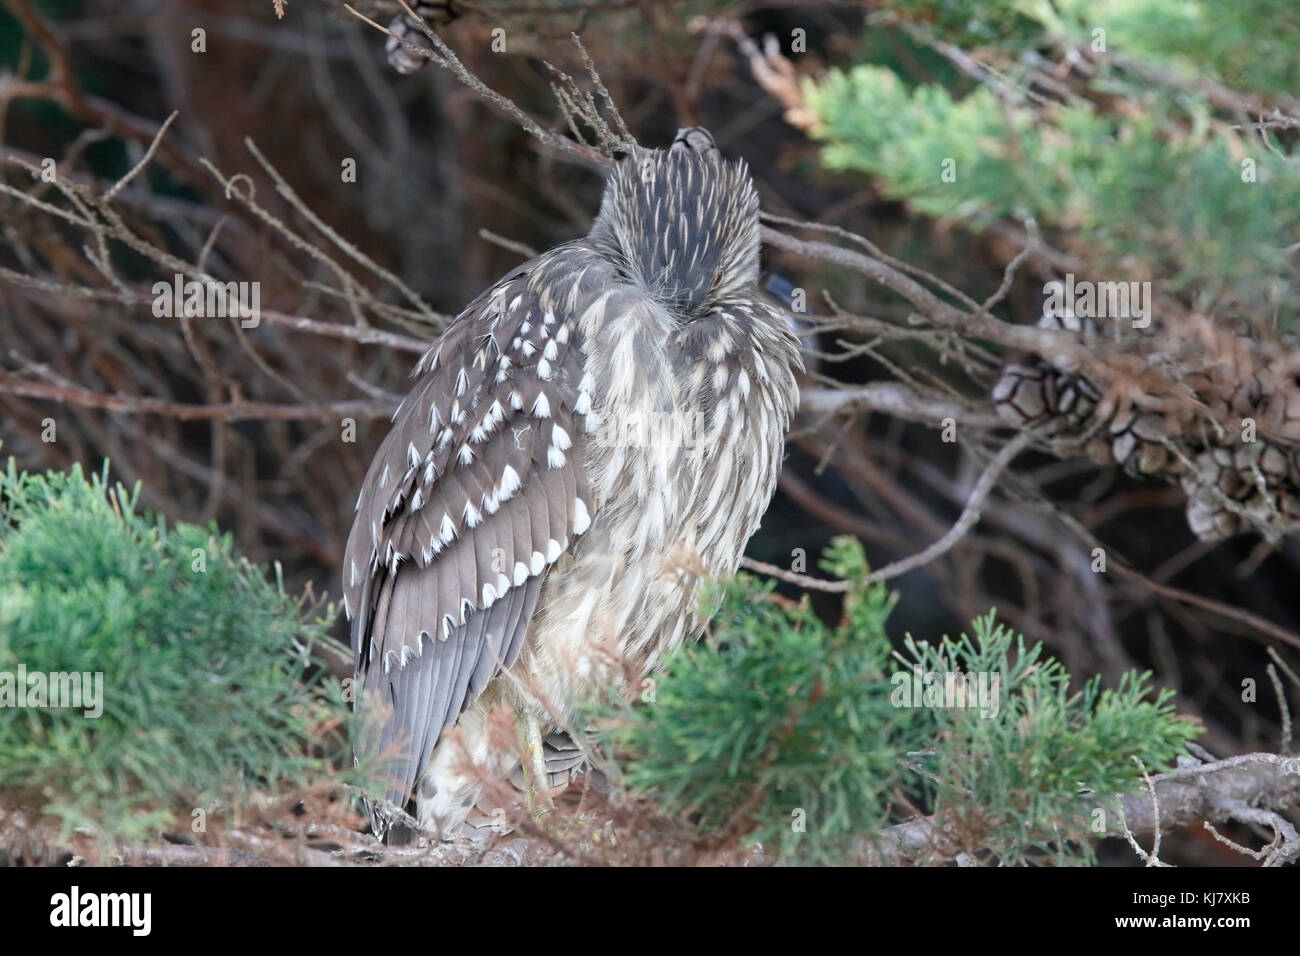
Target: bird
<point x="596" y="434"/>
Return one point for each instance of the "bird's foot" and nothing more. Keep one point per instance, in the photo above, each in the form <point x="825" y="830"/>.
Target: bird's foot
<point x="537" y="791"/>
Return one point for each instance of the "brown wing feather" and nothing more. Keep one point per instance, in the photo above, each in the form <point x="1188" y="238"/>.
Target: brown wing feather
<point x="471" y="497"/>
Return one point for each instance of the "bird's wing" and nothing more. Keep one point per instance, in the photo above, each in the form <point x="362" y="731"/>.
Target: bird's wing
<point x="477" y="490"/>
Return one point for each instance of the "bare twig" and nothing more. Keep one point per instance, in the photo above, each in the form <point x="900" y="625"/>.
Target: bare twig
<point x="969" y="516"/>
<point x="144" y="160"/>
<point x="446" y="58"/>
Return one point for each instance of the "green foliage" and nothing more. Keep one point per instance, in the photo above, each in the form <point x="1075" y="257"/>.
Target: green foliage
<point x="777" y="708"/>
<point x="978" y="22"/>
<point x="208" y="689"/>
<point x="1246" y="44"/>
<point x="777" y="720"/>
<point x="1016" y="783"/>
<point x="1145" y="181"/>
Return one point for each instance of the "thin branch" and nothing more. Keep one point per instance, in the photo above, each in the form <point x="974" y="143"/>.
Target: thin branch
<point x="893" y="399"/>
<point x="363" y="335"/>
<point x="446" y="58"/>
<point x="347" y="248"/>
<point x="12" y="384"/>
<point x="144" y="160"/>
<point x="968" y="518"/>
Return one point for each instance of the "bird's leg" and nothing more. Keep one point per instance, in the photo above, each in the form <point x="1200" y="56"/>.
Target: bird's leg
<point x="538" y="780"/>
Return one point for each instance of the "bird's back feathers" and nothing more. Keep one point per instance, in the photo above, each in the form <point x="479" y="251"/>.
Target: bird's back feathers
<point x="476" y="491"/>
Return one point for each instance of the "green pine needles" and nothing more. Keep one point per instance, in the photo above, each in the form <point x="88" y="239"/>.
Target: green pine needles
<point x="1145" y="175"/>
<point x="813" y="741"/>
<point x="199" y="667"/>
<point x="197" y="688"/>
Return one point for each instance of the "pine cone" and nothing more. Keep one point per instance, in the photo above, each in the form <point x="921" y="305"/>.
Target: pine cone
<point x="1217" y="408"/>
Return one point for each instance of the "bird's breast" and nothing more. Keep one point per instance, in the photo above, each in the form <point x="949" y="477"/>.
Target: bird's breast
<point x="684" y="451"/>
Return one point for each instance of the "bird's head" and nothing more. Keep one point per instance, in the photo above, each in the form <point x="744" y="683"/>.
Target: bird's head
<point x="682" y="223"/>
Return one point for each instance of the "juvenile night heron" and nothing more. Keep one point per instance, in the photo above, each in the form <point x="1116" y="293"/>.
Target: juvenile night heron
<point x="592" y="435"/>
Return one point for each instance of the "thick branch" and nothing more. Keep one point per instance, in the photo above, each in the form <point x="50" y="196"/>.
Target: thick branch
<point x="1211" y="793"/>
